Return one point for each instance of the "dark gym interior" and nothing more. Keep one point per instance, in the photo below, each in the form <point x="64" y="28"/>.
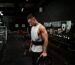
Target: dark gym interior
<point x="15" y="31"/>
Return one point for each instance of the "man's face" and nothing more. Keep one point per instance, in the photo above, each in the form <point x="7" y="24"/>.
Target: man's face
<point x="31" y="22"/>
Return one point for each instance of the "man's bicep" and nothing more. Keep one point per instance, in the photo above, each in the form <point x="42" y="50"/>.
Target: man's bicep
<point x="44" y="33"/>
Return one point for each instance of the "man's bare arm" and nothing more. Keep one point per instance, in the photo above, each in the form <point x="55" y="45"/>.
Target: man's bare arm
<point x="44" y="35"/>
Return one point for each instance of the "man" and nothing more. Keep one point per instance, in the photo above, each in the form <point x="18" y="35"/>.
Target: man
<point x="39" y="39"/>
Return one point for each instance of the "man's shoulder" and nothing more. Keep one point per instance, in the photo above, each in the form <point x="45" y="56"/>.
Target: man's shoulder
<point x="42" y="26"/>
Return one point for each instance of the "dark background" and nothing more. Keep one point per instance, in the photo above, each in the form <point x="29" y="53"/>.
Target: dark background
<point x="61" y="50"/>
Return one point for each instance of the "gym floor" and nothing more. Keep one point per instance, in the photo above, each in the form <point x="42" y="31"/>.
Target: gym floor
<point x="14" y="53"/>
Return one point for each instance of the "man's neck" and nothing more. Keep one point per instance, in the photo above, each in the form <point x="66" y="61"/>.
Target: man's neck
<point x="36" y="24"/>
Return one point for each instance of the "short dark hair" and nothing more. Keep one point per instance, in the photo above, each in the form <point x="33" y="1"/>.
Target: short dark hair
<point x="30" y="16"/>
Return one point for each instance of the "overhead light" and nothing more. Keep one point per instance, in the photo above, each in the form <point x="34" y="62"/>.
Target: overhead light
<point x="1" y="13"/>
<point x="0" y="22"/>
<point x="40" y="9"/>
<point x="23" y="25"/>
<point x="22" y="9"/>
<point x="16" y="25"/>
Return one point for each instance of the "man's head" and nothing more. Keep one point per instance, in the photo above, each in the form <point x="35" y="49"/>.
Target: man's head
<point x="31" y="20"/>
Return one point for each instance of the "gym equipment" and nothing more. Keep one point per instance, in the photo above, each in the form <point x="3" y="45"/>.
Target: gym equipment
<point x="3" y="36"/>
<point x="44" y="60"/>
<point x="3" y="40"/>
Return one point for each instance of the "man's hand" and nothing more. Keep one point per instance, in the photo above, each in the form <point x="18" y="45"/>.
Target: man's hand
<point x="44" y="54"/>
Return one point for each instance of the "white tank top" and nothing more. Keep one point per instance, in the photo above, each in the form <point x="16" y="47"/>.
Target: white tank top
<point x="35" y="37"/>
<point x="34" y="33"/>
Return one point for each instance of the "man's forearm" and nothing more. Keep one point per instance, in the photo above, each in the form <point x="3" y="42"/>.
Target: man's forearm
<point x="45" y="46"/>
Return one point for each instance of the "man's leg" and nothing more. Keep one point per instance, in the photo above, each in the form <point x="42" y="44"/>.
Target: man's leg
<point x="34" y="57"/>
